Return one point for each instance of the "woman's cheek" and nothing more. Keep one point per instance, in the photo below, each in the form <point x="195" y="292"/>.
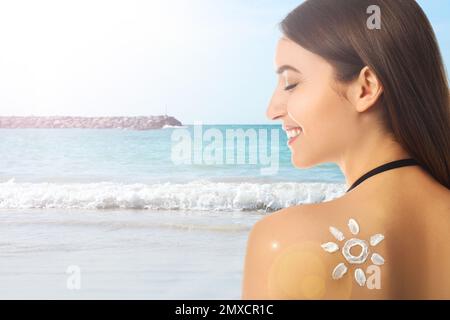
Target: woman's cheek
<point x="332" y="125"/>
<point x="309" y="111"/>
<point x="319" y="116"/>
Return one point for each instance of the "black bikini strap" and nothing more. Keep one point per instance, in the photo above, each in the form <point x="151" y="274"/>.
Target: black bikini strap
<point x="384" y="167"/>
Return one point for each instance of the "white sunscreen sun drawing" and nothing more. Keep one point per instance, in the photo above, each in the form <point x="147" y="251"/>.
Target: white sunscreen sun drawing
<point x="366" y="249"/>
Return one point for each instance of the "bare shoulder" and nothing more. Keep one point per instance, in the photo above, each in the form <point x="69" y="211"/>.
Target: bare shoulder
<point x="292" y="254"/>
<point x="296" y="252"/>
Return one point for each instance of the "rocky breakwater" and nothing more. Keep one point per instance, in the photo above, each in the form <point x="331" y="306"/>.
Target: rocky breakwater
<point x="134" y="123"/>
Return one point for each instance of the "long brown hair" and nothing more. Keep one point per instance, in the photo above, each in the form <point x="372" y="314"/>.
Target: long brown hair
<point x="405" y="56"/>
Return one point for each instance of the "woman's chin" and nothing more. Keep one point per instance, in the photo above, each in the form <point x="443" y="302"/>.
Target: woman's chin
<point x="298" y="163"/>
<point x="301" y="163"/>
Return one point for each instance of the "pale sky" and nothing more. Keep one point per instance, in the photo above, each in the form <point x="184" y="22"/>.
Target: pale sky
<point x="208" y="61"/>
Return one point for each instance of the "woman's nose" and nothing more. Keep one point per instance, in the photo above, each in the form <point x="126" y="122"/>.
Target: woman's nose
<point x="276" y="107"/>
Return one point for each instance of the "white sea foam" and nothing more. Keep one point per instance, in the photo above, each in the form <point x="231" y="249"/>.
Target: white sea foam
<point x="196" y="195"/>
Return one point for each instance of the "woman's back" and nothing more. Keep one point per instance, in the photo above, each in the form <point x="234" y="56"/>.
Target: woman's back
<point x="406" y="206"/>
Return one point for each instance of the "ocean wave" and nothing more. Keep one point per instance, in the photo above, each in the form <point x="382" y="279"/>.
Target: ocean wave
<point x="197" y="195"/>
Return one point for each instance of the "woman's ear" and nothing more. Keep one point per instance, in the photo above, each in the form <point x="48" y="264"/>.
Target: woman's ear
<point x="365" y="90"/>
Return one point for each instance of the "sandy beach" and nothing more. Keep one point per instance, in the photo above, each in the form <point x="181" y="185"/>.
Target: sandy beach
<point x="122" y="254"/>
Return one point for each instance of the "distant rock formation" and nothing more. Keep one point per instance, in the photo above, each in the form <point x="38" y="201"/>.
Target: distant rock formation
<point x="135" y="123"/>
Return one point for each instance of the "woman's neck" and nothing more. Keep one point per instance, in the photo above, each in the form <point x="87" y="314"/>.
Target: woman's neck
<point x="368" y="153"/>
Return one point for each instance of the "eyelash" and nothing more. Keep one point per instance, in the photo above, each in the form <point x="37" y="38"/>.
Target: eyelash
<point x="292" y="86"/>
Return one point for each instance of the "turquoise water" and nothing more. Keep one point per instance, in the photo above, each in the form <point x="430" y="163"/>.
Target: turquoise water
<point x="84" y="155"/>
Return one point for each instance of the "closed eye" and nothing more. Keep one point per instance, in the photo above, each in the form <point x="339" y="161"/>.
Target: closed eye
<point x="290" y="87"/>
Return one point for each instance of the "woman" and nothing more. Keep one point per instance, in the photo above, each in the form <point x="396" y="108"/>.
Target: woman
<point x="375" y="101"/>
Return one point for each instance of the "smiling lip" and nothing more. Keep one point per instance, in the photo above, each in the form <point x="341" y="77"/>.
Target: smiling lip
<point x="291" y="140"/>
<point x="292" y="133"/>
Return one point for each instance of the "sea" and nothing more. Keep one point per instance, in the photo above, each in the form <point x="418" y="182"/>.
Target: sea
<point x="155" y="214"/>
